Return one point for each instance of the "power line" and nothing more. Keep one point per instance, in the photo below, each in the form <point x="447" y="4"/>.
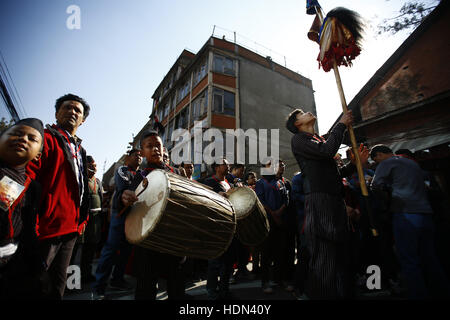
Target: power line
<point x="9" y="92"/>
<point x="20" y="104"/>
<point x="7" y="100"/>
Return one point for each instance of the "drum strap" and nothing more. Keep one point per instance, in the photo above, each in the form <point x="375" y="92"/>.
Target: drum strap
<point x="215" y="178"/>
<point x="271" y="185"/>
<point x="164" y="167"/>
<point x="219" y="181"/>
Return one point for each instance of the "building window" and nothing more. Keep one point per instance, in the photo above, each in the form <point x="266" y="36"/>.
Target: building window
<point x="160" y="114"/>
<point x="169" y="142"/>
<point x="164" y="135"/>
<point x="166" y="88"/>
<point x="183" y="91"/>
<point x="223" y="102"/>
<point x="169" y="104"/>
<point x="174" y="79"/>
<point x="174" y="102"/>
<point x="224" y="65"/>
<point x="178" y="74"/>
<point x="166" y="110"/>
<point x="200" y="72"/>
<point x="199" y="106"/>
<point x="181" y="119"/>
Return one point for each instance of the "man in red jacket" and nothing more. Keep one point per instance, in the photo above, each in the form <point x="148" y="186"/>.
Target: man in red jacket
<point x="62" y="173"/>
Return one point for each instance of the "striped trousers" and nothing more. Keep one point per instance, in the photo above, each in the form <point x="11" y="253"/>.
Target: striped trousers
<point x="327" y="242"/>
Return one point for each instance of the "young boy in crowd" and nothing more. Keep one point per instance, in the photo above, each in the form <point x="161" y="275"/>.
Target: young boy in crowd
<point x="150" y="265"/>
<point x="250" y="180"/>
<point x="21" y="267"/>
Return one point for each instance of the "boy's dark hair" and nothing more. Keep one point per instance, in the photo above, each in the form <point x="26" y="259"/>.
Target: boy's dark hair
<point x="248" y="174"/>
<point x="237" y="166"/>
<point x="30" y="122"/>
<point x="89" y="159"/>
<point x="70" y="96"/>
<point x="148" y="133"/>
<point x="290" y="121"/>
<point x="379" y="148"/>
<point x="406" y="152"/>
<point x="133" y="150"/>
<point x="217" y="163"/>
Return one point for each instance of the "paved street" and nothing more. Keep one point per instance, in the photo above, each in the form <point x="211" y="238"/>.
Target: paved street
<point x="248" y="290"/>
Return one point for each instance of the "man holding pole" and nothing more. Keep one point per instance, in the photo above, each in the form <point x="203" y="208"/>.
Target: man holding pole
<point x="339" y="36"/>
<point x="326" y="228"/>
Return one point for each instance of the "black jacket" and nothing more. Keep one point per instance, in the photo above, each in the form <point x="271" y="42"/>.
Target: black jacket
<point x="315" y="158"/>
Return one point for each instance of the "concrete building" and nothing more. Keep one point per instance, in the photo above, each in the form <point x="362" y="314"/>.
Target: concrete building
<point x="226" y="86"/>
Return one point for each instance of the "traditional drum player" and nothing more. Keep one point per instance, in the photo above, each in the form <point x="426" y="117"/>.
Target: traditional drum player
<point x="149" y="265"/>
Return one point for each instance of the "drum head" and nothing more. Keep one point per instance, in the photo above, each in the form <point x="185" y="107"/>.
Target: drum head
<point x="243" y="200"/>
<point x="147" y="211"/>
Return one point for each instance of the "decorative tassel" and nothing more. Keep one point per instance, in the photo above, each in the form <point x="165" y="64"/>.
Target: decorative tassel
<point x="339" y="38"/>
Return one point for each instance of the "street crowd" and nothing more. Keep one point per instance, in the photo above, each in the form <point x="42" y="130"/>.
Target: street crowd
<point x="324" y="231"/>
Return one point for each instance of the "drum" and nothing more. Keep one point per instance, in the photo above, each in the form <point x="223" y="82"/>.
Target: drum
<point x="251" y="218"/>
<point x="180" y="217"/>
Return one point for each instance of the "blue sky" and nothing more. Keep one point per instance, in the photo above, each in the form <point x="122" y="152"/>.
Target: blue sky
<point x="124" y="49"/>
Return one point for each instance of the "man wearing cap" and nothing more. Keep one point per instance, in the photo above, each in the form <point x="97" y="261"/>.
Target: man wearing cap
<point x="61" y="171"/>
<point x="116" y="236"/>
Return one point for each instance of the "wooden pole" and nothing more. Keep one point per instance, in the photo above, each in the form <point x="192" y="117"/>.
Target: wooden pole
<point x="362" y="180"/>
<point x="351" y="133"/>
<point x="359" y="168"/>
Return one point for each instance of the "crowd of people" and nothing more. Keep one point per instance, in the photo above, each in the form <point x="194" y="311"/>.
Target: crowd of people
<point x="324" y="232"/>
